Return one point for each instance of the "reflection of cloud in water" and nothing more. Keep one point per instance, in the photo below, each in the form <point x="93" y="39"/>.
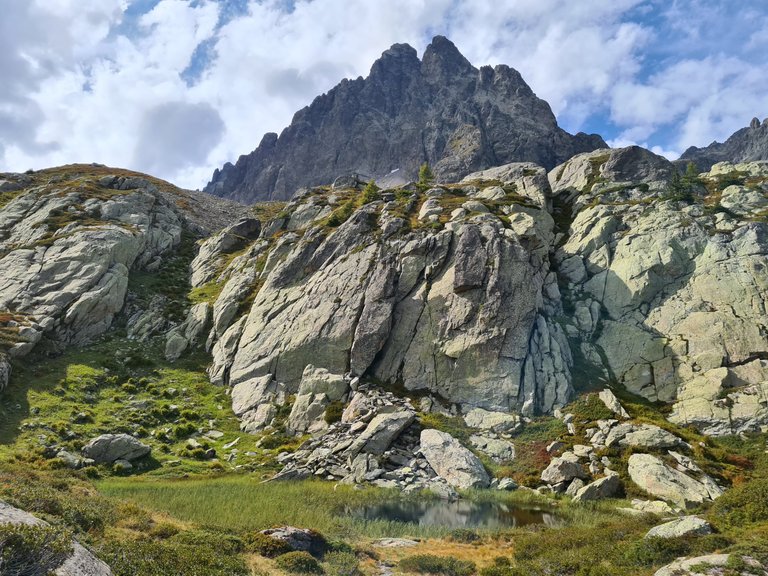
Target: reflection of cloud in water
<point x="459" y="514"/>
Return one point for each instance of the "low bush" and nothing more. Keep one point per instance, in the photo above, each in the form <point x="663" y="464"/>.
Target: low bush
<point x="502" y="566"/>
<point x="298" y="563"/>
<point x="169" y="558"/>
<point x="333" y="412"/>
<point x="221" y="541"/>
<point x="464" y="536"/>
<point x="342" y="564"/>
<point x="745" y="504"/>
<point x="431" y="564"/>
<point x="32" y="550"/>
<point x="589" y="408"/>
<point x="265" y="545"/>
<point x="653" y="551"/>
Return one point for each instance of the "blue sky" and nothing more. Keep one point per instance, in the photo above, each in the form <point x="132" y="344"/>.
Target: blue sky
<point x="177" y="87"/>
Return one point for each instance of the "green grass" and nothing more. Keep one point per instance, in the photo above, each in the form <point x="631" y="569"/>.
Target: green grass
<point x="118" y="385"/>
<point x="242" y="502"/>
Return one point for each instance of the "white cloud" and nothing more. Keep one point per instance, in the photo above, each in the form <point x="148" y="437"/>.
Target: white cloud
<point x="83" y="88"/>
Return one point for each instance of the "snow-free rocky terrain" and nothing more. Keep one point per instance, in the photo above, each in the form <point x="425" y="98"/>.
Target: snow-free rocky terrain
<point x="584" y="325"/>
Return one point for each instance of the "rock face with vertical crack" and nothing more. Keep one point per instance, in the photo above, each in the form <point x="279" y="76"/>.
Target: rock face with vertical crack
<point x="667" y="282"/>
<point x="463" y="310"/>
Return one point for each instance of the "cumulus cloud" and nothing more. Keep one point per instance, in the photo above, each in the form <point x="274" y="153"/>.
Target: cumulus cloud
<point x="178" y="87"/>
<point x="176" y="135"/>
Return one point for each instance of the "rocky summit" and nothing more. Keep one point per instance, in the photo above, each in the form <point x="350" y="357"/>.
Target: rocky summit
<point x="440" y="110"/>
<point x="746" y="145"/>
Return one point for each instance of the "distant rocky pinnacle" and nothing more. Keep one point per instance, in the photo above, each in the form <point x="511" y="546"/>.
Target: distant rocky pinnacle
<point x="745" y="145"/>
<point x="439" y="109"/>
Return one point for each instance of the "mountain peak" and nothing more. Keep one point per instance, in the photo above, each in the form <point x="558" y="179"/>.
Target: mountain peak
<point x="440" y="109"/>
<point x="442" y="60"/>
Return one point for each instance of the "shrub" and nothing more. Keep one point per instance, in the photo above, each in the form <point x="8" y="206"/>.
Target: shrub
<point x="590" y="408"/>
<point x="32" y="550"/>
<point x="184" y="430"/>
<point x="221" y="541"/>
<point x="370" y="192"/>
<point x="426" y="176"/>
<point x="464" y="536"/>
<point x="169" y="558"/>
<point x="275" y="441"/>
<point x="298" y="563"/>
<point x="333" y="412"/>
<point x="265" y="545"/>
<point x="431" y="564"/>
<point x="342" y="564"/>
<point x="653" y="551"/>
<point x="341" y="214"/>
<point x="745" y="504"/>
<point x="163" y="530"/>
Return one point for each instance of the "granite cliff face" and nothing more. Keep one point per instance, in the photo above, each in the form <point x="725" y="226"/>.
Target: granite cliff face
<point x="69" y="239"/>
<point x="510" y="290"/>
<point x="667" y="287"/>
<point x="746" y="145"/>
<point x="439" y="109"/>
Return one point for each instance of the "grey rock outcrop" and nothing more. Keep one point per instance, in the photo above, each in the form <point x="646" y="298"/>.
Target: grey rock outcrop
<point x="612" y="403"/>
<point x="745" y="145"/>
<point x="562" y="470"/>
<point x="655" y="477"/>
<point x="681" y="527"/>
<point x="300" y="539"/>
<point x="606" y="487"/>
<point x="439" y="109"/>
<point x="5" y="371"/>
<point x="667" y="294"/>
<point x="80" y="562"/>
<point x="712" y="565"/>
<point x="69" y="239"/>
<point x="452" y="461"/>
<point x="111" y="447"/>
<point x="463" y="310"/>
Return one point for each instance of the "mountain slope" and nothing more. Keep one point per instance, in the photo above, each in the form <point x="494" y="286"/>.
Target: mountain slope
<point x="70" y="238"/>
<point x="439" y="109"/>
<point x="745" y="145"/>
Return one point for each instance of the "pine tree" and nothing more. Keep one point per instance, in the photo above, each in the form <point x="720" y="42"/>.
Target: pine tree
<point x="426" y="177"/>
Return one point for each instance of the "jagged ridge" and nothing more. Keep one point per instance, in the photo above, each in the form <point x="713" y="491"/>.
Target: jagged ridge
<point x="439" y="109"/>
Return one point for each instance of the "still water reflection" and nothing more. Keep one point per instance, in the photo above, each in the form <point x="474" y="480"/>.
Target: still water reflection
<point x="459" y="514"/>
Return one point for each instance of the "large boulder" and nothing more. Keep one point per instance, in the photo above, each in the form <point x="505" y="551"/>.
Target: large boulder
<point x="655" y="477"/>
<point x="612" y="403"/>
<point x="452" y="461"/>
<point x="80" y="561"/>
<point x="685" y="526"/>
<point x="494" y="421"/>
<point x="563" y="469"/>
<point x="109" y="448"/>
<point x="712" y="565"/>
<point x="497" y="449"/>
<point x="318" y="389"/>
<point x="606" y="487"/>
<point x="382" y="430"/>
<point x="299" y="539"/>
